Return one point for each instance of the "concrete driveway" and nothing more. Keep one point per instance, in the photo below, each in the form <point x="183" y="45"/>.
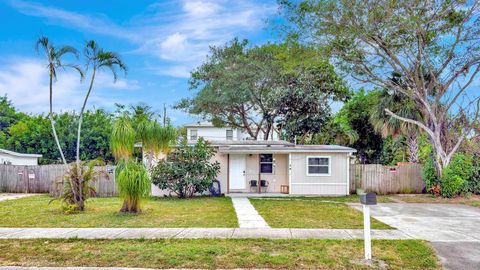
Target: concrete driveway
<point x="453" y="229"/>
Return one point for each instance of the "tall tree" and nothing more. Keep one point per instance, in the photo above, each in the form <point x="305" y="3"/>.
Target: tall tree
<point x="356" y="115"/>
<point x="8" y="117"/>
<point x="97" y="59"/>
<point x="54" y="57"/>
<point x="253" y="87"/>
<point x="410" y="39"/>
<point x="386" y="125"/>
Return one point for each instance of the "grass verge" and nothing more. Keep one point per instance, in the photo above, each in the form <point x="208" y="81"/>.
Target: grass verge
<point x="215" y="253"/>
<point x="473" y="200"/>
<point x="104" y="212"/>
<point x="311" y="214"/>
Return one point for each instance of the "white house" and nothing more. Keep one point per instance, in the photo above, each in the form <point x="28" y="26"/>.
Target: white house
<point x="209" y="132"/>
<point x="274" y="166"/>
<point x="14" y="158"/>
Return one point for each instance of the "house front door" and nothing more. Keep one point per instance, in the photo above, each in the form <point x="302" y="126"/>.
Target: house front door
<point x="237" y="171"/>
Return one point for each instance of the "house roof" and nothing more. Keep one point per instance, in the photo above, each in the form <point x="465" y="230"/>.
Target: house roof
<point x="285" y="148"/>
<point x="8" y="152"/>
<point x="200" y="124"/>
<point x="245" y="143"/>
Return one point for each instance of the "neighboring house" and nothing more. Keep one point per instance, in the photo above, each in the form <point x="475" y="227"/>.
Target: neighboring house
<point x="14" y="158"/>
<point x="209" y="132"/>
<point x="284" y="167"/>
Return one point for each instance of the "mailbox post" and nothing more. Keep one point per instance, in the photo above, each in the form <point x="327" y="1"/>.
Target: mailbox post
<point x="366" y="200"/>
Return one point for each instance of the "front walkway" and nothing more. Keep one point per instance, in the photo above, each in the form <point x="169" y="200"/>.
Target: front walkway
<point x="13" y="196"/>
<point x="189" y="233"/>
<point x="247" y="215"/>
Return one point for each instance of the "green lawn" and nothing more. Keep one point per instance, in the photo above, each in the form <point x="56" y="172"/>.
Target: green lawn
<point x="215" y="253"/>
<point x="104" y="212"/>
<point x="311" y="214"/>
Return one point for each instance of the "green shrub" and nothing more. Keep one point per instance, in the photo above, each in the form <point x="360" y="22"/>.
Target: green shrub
<point x="474" y="179"/>
<point x="429" y="174"/>
<point x="188" y="170"/>
<point x="78" y="185"/>
<point x="133" y="184"/>
<point x="455" y="176"/>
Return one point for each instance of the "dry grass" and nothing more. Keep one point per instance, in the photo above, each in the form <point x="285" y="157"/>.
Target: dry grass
<point x="473" y="200"/>
<point x="215" y="253"/>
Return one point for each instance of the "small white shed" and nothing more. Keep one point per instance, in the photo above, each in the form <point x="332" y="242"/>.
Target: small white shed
<point x="14" y="158"/>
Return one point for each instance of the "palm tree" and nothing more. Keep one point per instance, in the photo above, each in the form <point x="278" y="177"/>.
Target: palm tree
<point x="133" y="177"/>
<point x="54" y="57"/>
<point x="97" y="59"/>
<point x="386" y="125"/>
<point x="156" y="141"/>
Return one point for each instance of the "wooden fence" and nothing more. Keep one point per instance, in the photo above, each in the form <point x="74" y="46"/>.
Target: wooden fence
<point x="49" y="179"/>
<point x="406" y="178"/>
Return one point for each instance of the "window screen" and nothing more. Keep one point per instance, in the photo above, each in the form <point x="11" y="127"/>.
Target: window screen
<point x="193" y="134"/>
<point x="318" y="165"/>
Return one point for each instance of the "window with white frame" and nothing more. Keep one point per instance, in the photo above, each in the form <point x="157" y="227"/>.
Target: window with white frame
<point x="193" y="134"/>
<point x="229" y="134"/>
<point x="266" y="163"/>
<point x="318" y="165"/>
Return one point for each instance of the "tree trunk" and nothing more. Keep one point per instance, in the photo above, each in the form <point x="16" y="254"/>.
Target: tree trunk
<point x="52" y="122"/>
<point x="81" y="199"/>
<point x="412" y="142"/>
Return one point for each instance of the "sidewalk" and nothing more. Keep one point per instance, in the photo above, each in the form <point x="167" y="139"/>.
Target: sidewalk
<point x="188" y="233"/>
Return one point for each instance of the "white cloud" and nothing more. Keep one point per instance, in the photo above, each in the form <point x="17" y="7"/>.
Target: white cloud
<point x="200" y="8"/>
<point x="25" y="81"/>
<point x="96" y="24"/>
<point x="180" y="35"/>
<point x="178" y="71"/>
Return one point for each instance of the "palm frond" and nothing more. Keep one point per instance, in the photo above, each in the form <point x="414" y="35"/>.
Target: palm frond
<point x="122" y="140"/>
<point x="66" y="50"/>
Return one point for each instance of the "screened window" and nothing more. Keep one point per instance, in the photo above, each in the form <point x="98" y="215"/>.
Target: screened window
<point x="229" y="134"/>
<point x="266" y="163"/>
<point x="318" y="166"/>
<point x="193" y="134"/>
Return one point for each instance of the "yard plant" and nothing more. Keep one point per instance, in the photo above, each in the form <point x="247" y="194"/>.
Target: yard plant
<point x="133" y="177"/>
<point x="188" y="170"/>
<point x="133" y="184"/>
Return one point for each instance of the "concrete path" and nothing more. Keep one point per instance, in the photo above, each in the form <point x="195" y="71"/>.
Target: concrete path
<point x="189" y="233"/>
<point x="452" y="229"/>
<point x="13" y="196"/>
<point x="247" y="215"/>
<point x="458" y="255"/>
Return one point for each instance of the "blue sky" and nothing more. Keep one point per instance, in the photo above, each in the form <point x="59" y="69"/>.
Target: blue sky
<point x="160" y="41"/>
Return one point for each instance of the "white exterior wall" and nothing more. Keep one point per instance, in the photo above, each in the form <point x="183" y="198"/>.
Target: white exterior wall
<point x="17" y="160"/>
<point x="220" y="134"/>
<point x="334" y="184"/>
<point x="212" y="133"/>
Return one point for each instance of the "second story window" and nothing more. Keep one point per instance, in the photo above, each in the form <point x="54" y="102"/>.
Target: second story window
<point x="193" y="134"/>
<point x="229" y="134"/>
